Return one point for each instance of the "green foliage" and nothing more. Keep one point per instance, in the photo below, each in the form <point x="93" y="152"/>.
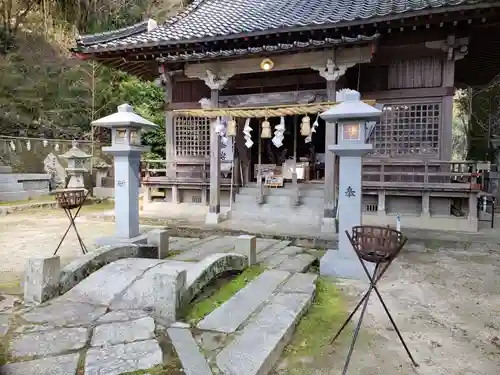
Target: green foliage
<point x="45" y="92"/>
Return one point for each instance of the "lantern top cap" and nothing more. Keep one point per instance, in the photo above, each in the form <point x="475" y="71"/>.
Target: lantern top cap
<point x="350" y="108"/>
<point x="124" y="117"/>
<point x="75" y="152"/>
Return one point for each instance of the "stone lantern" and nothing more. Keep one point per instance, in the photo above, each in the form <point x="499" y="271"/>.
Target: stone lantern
<point x="355" y="121"/>
<point x="77" y="166"/>
<point x="126" y="127"/>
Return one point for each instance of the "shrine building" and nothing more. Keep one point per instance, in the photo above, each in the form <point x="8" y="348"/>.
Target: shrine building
<point x="245" y="80"/>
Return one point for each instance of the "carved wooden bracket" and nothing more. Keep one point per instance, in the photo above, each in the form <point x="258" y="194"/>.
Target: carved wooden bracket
<point x="214" y="81"/>
<point x="455" y="49"/>
<point x="332" y="71"/>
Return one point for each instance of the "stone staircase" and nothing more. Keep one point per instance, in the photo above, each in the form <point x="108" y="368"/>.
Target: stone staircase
<point x="278" y="204"/>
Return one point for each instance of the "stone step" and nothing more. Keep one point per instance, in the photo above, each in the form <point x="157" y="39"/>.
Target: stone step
<point x="262" y="255"/>
<point x="232" y="313"/>
<point x="269" y="213"/>
<point x="298" y="263"/>
<point x="257" y="349"/>
<point x="316" y="191"/>
<point x="281" y="200"/>
<point x="193" y="362"/>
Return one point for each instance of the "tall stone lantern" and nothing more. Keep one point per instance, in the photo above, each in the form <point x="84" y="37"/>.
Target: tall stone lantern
<point x="77" y="166"/>
<point x="355" y="119"/>
<point x="126" y="149"/>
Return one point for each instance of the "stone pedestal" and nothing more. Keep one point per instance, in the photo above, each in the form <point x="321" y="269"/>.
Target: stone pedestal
<point x="159" y="238"/>
<point x="247" y="245"/>
<point x="41" y="279"/>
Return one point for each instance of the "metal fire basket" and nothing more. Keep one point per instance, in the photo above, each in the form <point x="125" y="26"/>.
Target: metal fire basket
<point x="68" y="200"/>
<point x="379" y="245"/>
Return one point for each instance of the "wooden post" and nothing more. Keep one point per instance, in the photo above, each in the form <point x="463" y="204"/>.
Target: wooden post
<point x="166" y="81"/>
<point x="214" y="203"/>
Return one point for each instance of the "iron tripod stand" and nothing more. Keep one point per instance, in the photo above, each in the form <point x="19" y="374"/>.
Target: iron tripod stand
<point x="366" y="251"/>
<point x="69" y="199"/>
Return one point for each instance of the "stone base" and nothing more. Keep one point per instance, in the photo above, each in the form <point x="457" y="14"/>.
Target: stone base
<point x="328" y="225"/>
<point x="337" y="264"/>
<point x="112" y="240"/>
<point x="213" y="218"/>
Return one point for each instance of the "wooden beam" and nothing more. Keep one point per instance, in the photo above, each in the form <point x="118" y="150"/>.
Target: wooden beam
<point x="409" y="93"/>
<point x="281" y="62"/>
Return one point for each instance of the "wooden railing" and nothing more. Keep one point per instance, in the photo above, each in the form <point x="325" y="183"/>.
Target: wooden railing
<point x="426" y="175"/>
<point x="180" y="172"/>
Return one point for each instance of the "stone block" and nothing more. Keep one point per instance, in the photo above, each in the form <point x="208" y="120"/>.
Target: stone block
<point x="47" y="342"/>
<point x="213" y="218"/>
<point x="228" y="317"/>
<point x="123" y="332"/>
<point x="123" y="358"/>
<point x="61" y="365"/>
<point x="193" y="362"/>
<point x="158" y="291"/>
<point x="82" y="267"/>
<point x="41" y="279"/>
<point x="160" y="238"/>
<point x="247" y="245"/>
<point x="259" y="346"/>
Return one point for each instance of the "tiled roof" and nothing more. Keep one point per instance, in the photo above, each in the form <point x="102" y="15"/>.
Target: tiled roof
<point x="206" y="19"/>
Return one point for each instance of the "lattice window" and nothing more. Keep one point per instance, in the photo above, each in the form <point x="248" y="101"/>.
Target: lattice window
<point x="192" y="136"/>
<point x="407" y="129"/>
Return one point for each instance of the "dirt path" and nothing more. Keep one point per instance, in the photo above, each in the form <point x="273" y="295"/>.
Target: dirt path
<point x="446" y="302"/>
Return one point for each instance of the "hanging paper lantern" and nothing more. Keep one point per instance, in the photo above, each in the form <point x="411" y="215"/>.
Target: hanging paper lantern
<point x="28" y="145"/>
<point x="305" y="126"/>
<point x="231" y="128"/>
<point x="12" y="146"/>
<point x="266" y="129"/>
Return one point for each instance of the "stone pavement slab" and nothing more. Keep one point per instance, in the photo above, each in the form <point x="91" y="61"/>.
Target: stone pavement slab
<point x="297" y="263"/>
<point x="122" y="358"/>
<point x="49" y="342"/>
<point x="102" y="287"/>
<point x="192" y="360"/>
<point x="300" y="283"/>
<point x="259" y="346"/>
<point x="232" y="313"/>
<point x="123" y="332"/>
<point x="210" y="246"/>
<point x="61" y="312"/>
<point x="61" y="365"/>
<point x="275" y="248"/>
<point x="121" y="316"/>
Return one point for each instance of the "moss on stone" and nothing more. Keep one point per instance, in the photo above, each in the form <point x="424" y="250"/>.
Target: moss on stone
<point x="204" y="307"/>
<point x="316" y="329"/>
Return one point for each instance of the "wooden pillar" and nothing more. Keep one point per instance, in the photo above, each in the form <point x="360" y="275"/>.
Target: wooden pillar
<point x="330" y="157"/>
<point x="214" y="202"/>
<point x="445" y="151"/>
<point x="215" y="83"/>
<point x="167" y="83"/>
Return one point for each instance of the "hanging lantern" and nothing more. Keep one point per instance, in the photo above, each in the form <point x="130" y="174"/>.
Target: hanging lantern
<point x="231" y="128"/>
<point x="305" y="126"/>
<point x="266" y="129"/>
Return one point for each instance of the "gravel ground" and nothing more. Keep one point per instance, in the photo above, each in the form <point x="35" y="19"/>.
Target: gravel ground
<point x="37" y="234"/>
<point x="446" y="303"/>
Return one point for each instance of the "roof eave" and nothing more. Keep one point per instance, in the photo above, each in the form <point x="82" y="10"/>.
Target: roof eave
<point x="341" y="24"/>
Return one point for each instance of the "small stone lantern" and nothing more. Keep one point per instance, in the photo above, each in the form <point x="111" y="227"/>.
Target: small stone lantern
<point x="355" y="121"/>
<point x="77" y="166"/>
<point x="126" y="148"/>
